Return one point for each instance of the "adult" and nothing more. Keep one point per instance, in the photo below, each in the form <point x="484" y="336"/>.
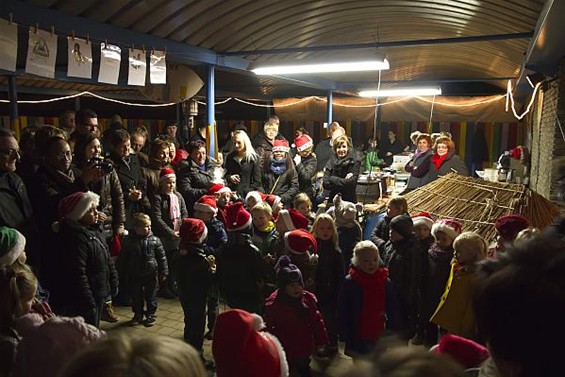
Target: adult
<point x="279" y="175"/>
<point x="390" y="147"/>
<point x="159" y="157"/>
<point x="195" y="178"/>
<point x="323" y="150"/>
<point x="444" y="160"/>
<point x="86" y="123"/>
<point x="228" y="145"/>
<point x="264" y="141"/>
<point x="172" y="131"/>
<point x="243" y="166"/>
<point x="200" y="133"/>
<point x="419" y="165"/>
<point x="342" y="171"/>
<point x="15" y="207"/>
<point x="67" y="122"/>
<point x="138" y="139"/>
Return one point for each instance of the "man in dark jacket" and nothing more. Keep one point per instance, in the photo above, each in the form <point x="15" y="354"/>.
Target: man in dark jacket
<point x="324" y="150"/>
<point x="196" y="178"/>
<point x="263" y="142"/>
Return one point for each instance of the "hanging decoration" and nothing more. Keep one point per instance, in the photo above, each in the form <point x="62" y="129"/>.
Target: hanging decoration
<point x="137" y="67"/>
<point x="110" y="58"/>
<point x="158" y="67"/>
<point x="8" y="45"/>
<point x="41" y="52"/>
<point x="79" y="58"/>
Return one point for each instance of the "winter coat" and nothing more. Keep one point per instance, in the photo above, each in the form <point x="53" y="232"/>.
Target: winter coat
<point x="239" y="272"/>
<point x="403" y="262"/>
<point x="323" y="152"/>
<point x="394" y="148"/>
<point x="436" y="273"/>
<point x="381" y="233"/>
<point x="217" y="236"/>
<point x="263" y="146"/>
<point x="451" y="164"/>
<point x="334" y="177"/>
<point x="249" y="171"/>
<point x="143" y="256"/>
<point x="9" y="340"/>
<point x="264" y="240"/>
<point x="150" y="183"/>
<point x="306" y="170"/>
<point x="307" y="267"/>
<point x="329" y="274"/>
<point x="129" y="174"/>
<point x="192" y="270"/>
<point x="297" y="323"/>
<point x="348" y="238"/>
<point x="162" y="223"/>
<point x="455" y="310"/>
<point x="350" y="306"/>
<point x="286" y="184"/>
<point x="419" y="170"/>
<point x="86" y="274"/>
<point x="193" y="183"/>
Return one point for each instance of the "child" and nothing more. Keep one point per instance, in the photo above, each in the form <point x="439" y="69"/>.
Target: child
<point x="279" y="175"/>
<point x="403" y="261"/>
<point x="301" y="247"/>
<point x="366" y="301"/>
<point x="329" y="276"/>
<point x="264" y="237"/>
<point x="193" y="277"/>
<point x="455" y="311"/>
<point x="306" y="164"/>
<point x="146" y="264"/>
<point x="240" y="348"/>
<point x="286" y="221"/>
<point x="206" y="209"/>
<point x="348" y="228"/>
<point x="168" y="209"/>
<point x="291" y="314"/>
<point x="436" y="274"/>
<point x="303" y="204"/>
<point x="395" y="206"/>
<point x="223" y="195"/>
<point x="87" y="276"/>
<point x="507" y="228"/>
<point x="240" y="265"/>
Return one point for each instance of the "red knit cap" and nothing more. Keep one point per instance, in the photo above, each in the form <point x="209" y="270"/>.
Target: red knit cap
<point x="166" y="173"/>
<point x="192" y="231"/>
<point x="303" y="142"/>
<point x="509" y="226"/>
<point x="281" y="146"/>
<point x="206" y="203"/>
<point x="237" y="218"/>
<point x="466" y="352"/>
<point x="293" y="219"/>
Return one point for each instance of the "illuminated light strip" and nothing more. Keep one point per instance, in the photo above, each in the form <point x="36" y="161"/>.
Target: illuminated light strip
<point x="461" y="104"/>
<point x="285" y="105"/>
<point x="48" y="100"/>
<point x="509" y="93"/>
<point x="93" y="95"/>
<point x="216" y="103"/>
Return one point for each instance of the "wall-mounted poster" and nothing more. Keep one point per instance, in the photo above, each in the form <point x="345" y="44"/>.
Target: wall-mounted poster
<point x="79" y="58"/>
<point x="158" y="68"/>
<point x="110" y="58"/>
<point x="8" y="45"/>
<point x="41" y="53"/>
<point x="137" y="67"/>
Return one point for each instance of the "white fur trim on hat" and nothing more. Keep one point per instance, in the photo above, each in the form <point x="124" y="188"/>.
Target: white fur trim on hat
<point x="285" y="215"/>
<point x="205" y="208"/>
<point x="14" y="253"/>
<point x="223" y="189"/>
<point x="246" y="225"/>
<point x="440" y="227"/>
<point x="423" y="220"/>
<point x="281" y="148"/>
<point x="83" y="206"/>
<point x="204" y="235"/>
<point x="167" y="176"/>
<point x="280" y="352"/>
<point x="255" y="195"/>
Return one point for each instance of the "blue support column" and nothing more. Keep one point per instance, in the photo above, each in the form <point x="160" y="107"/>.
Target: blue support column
<point x="211" y="121"/>
<point x="329" y="112"/>
<point x="13" y="95"/>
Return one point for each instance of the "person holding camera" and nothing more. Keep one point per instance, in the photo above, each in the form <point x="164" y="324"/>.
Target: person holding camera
<point x="111" y="208"/>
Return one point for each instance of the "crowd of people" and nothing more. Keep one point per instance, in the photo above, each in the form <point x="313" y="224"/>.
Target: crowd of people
<point x="89" y="220"/>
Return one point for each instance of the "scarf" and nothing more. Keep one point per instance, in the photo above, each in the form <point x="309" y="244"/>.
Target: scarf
<point x="278" y="166"/>
<point x="372" y="322"/>
<point x="438" y="160"/>
<point x="174" y="211"/>
<point x="268" y="228"/>
<point x="202" y="167"/>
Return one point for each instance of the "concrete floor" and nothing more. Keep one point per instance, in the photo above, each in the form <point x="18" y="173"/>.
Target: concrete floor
<point x="170" y="323"/>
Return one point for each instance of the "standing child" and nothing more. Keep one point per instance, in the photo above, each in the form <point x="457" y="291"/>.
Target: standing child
<point x="455" y="312"/>
<point x="193" y="276"/>
<point x="168" y="209"/>
<point x="146" y="264"/>
<point x="329" y="276"/>
<point x="306" y="164"/>
<point x="206" y="209"/>
<point x="264" y="237"/>
<point x="437" y="270"/>
<point x="366" y="301"/>
<point x="381" y="234"/>
<point x="291" y="314"/>
<point x="303" y="204"/>
<point x="286" y="221"/>
<point x="302" y="248"/>
<point x="279" y="175"/>
<point x="348" y="228"/>
<point x="223" y="195"/>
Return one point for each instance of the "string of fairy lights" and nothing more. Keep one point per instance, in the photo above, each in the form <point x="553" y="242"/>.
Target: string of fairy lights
<point x="509" y="97"/>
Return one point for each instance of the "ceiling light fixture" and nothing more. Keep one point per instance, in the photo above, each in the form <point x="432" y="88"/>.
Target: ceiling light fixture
<point x="401" y="92"/>
<point x="356" y="66"/>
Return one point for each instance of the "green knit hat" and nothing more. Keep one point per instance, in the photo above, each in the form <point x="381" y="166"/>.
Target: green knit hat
<point x="12" y="245"/>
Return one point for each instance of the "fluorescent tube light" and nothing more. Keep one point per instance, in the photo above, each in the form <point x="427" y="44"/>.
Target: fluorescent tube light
<point x="401" y="92"/>
<point x="368" y="65"/>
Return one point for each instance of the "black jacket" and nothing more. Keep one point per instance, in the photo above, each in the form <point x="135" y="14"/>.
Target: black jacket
<point x="306" y="170"/>
<point x="380" y="234"/>
<point x="129" y="175"/>
<point x="402" y="258"/>
<point x="286" y="186"/>
<point x="419" y="170"/>
<point x="323" y="152"/>
<point x="143" y="256"/>
<point x="192" y="272"/>
<point x="249" y="172"/>
<point x="387" y="146"/>
<point x="334" y="177"/>
<point x="263" y="147"/>
<point x="329" y="274"/>
<point x="451" y="164"/>
<point x="162" y="223"/>
<point x="193" y="183"/>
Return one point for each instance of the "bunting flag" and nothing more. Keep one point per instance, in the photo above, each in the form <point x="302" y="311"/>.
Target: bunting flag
<point x="41" y="53"/>
<point x="137" y="67"/>
<point x="8" y="45"/>
<point x="158" y="68"/>
<point x="79" y="58"/>
<point x="110" y="58"/>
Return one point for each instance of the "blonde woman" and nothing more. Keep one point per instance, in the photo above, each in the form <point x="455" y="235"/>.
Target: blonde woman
<point x="243" y="165"/>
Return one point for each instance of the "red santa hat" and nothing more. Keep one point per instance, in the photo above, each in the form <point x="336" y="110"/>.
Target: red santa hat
<point x="301" y="241"/>
<point x="218" y="188"/>
<point x="166" y="173"/>
<point x="206" y="203"/>
<point x="256" y="195"/>
<point x="281" y="146"/>
<point x="192" y="231"/>
<point x="241" y="349"/>
<point x="272" y="200"/>
<point x="423" y="218"/>
<point x="303" y="142"/>
<point x="75" y="206"/>
<point x="448" y="226"/>
<point x="237" y="218"/>
<point x="467" y="353"/>
<point x="293" y="219"/>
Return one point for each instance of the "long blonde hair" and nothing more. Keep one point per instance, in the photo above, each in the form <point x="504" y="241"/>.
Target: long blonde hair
<point x="250" y="154"/>
<point x="328" y="218"/>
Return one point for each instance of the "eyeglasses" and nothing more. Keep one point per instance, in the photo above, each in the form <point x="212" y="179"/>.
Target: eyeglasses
<point x="63" y="155"/>
<point x="10" y="153"/>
